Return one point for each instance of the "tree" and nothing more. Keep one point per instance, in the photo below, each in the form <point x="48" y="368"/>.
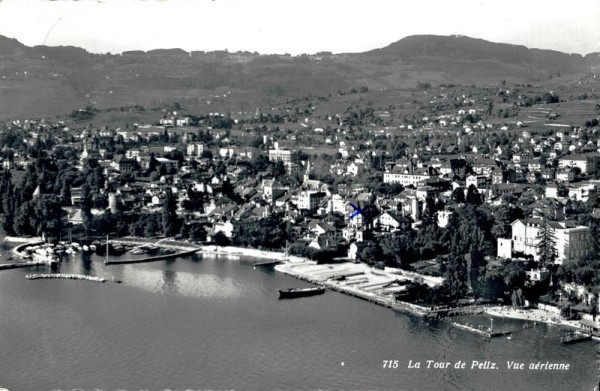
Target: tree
<point x="8" y="204"/>
<point x="473" y="196"/>
<point x="65" y="194"/>
<point x="503" y="216"/>
<point x="476" y="270"/>
<point x="369" y="254"/>
<point x="390" y="248"/>
<point x="48" y="215"/>
<point x="279" y="169"/>
<point x="546" y="245"/>
<point x="458" y="195"/>
<point x="220" y="239"/>
<point x="490" y="108"/>
<point x="151" y="227"/>
<point x="456" y="277"/>
<point x="169" y="214"/>
<point x="86" y="209"/>
<point x="22" y="223"/>
<point x="193" y="231"/>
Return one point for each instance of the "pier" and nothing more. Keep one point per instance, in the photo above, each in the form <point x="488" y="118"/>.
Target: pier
<point x="151" y="259"/>
<point x="19" y="250"/>
<point x="58" y="276"/>
<point x="486" y="333"/>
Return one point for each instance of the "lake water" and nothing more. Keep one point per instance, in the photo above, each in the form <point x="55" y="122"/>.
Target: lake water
<point x="216" y="323"/>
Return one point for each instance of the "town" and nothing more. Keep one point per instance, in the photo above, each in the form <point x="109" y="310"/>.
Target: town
<point x="492" y="190"/>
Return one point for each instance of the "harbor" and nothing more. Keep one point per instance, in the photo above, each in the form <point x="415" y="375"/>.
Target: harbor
<point x="37" y="252"/>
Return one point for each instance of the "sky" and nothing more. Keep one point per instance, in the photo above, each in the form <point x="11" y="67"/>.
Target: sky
<point x="296" y="26"/>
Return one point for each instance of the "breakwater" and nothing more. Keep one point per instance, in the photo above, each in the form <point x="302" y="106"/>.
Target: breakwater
<point x="18" y="251"/>
<point x="16" y="265"/>
<point x="242" y="251"/>
<point x="58" y="276"/>
<point x="151" y="259"/>
<point x="166" y="243"/>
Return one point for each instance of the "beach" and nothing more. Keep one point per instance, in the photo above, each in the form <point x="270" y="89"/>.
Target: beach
<point x="531" y="314"/>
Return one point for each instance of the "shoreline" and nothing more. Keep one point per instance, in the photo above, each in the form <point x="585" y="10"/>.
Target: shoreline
<point x="212" y="249"/>
<point x="357" y="280"/>
<point x="353" y="279"/>
<point x="532" y="315"/>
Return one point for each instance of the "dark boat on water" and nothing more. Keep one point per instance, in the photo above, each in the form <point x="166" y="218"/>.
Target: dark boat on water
<point x="292" y="293"/>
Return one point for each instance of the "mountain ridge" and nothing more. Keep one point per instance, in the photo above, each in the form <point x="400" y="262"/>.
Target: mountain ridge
<point x="44" y="80"/>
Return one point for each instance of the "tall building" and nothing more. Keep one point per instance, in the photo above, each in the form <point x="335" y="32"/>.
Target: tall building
<point x="285" y="155"/>
<point x="571" y="241"/>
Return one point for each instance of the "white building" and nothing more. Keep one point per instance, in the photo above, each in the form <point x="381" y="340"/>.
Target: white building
<point x="309" y="200"/>
<point x="405" y="177"/>
<point x="571" y="241"/>
<point x="582" y="191"/>
<point x="479" y="181"/>
<point x="195" y="149"/>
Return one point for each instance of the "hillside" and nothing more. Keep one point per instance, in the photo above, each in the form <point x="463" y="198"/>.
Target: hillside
<point x="42" y="81"/>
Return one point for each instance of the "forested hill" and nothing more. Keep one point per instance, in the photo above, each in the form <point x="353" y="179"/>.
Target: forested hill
<point x="45" y="80"/>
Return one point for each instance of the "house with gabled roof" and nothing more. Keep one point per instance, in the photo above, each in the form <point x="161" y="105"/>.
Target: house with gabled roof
<point x="391" y="221"/>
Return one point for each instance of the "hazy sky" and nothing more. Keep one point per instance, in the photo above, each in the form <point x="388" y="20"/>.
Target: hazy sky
<point x="299" y="26"/>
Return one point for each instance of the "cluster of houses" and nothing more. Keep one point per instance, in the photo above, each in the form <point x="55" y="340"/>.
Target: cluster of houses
<point x="509" y="170"/>
<point x="554" y="171"/>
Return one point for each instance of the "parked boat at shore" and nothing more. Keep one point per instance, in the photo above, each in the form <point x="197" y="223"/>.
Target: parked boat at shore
<point x="293" y="293"/>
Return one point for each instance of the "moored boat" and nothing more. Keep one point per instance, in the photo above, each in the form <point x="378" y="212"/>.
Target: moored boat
<point x="292" y="293"/>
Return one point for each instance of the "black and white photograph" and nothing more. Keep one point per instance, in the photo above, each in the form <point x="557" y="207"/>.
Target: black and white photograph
<point x="299" y="195"/>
